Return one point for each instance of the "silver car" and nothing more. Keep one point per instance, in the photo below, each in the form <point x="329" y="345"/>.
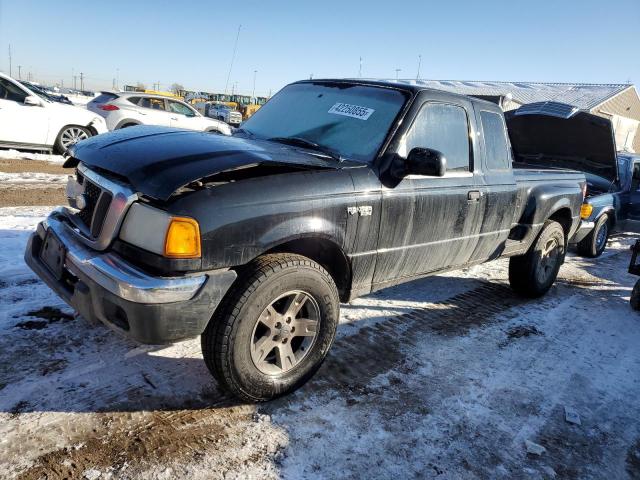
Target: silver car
<point x="126" y="109"/>
<point x="225" y="113"/>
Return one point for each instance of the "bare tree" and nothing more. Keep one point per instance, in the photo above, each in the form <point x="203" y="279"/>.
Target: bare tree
<point x="176" y="88"/>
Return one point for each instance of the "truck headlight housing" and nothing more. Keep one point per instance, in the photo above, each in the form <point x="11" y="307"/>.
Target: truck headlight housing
<point x="183" y="238"/>
<point x="585" y="211"/>
<point x="156" y="231"/>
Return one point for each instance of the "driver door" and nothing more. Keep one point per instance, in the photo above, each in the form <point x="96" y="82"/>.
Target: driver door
<point x="21" y="124"/>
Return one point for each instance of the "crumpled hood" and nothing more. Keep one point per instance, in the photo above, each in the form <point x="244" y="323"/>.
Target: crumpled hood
<point x="157" y="161"/>
<point x="583" y="142"/>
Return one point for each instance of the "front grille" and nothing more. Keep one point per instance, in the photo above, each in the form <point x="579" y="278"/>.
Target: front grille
<point x="97" y="204"/>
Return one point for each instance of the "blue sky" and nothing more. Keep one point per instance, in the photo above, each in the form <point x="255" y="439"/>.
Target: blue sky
<point x="191" y="42"/>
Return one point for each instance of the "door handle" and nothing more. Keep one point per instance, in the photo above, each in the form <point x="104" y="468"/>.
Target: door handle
<point x="474" y="195"/>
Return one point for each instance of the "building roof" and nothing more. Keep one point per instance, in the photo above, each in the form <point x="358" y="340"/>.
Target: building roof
<point x="582" y="95"/>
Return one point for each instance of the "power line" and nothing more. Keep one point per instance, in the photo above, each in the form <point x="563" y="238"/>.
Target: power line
<point x="233" y="57"/>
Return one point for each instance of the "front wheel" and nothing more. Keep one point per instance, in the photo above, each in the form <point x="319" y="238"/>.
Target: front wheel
<point x="69" y="136"/>
<point x="274" y="328"/>
<point x="533" y="273"/>
<point x="594" y="244"/>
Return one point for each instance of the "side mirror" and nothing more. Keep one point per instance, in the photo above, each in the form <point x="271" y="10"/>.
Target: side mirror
<point x="32" y="101"/>
<point x="425" y="161"/>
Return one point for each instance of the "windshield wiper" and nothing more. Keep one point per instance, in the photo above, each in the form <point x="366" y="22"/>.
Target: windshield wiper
<point x="303" y="142"/>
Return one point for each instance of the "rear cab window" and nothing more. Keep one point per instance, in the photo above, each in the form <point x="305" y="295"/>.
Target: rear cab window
<point x="443" y="127"/>
<point x="496" y="145"/>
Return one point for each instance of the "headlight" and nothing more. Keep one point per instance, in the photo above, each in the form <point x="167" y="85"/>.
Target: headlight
<point x="156" y="231"/>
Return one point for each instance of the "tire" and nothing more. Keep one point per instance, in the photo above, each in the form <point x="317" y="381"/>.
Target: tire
<point x="70" y="135"/>
<point x="595" y="243"/>
<point x="634" y="300"/>
<point x="230" y="341"/>
<point x="532" y="274"/>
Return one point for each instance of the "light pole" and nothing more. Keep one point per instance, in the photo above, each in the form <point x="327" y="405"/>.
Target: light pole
<point x="360" y="69"/>
<point x="398" y="70"/>
<point x="253" y="93"/>
<point x="419" y="64"/>
<point x="117" y="79"/>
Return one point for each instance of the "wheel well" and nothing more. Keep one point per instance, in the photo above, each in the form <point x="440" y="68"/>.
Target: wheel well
<point x="327" y="254"/>
<point x="563" y="217"/>
<point x="126" y="123"/>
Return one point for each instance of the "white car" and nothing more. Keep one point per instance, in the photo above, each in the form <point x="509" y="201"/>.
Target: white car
<point x="126" y="109"/>
<point x="33" y="122"/>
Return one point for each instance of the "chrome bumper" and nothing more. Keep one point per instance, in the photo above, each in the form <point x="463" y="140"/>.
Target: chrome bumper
<point x="583" y="230"/>
<point x="115" y="275"/>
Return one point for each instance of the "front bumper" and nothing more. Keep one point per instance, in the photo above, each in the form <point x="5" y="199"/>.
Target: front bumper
<point x="583" y="230"/>
<point x="102" y="286"/>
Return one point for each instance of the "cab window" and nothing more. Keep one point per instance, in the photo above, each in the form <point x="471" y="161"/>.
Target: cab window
<point x="495" y="141"/>
<point x="10" y="91"/>
<point x="443" y="127"/>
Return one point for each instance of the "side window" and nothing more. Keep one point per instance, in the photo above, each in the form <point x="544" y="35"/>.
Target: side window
<point x="495" y="141"/>
<point x="177" y="107"/>
<point x="156" y="103"/>
<point x="134" y="100"/>
<point x="635" y="183"/>
<point x="9" y="91"/>
<point x="445" y="128"/>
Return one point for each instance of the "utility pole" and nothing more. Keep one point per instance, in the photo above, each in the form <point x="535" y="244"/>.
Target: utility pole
<point x="253" y="92"/>
<point x="360" y="69"/>
<point x="19" y="72"/>
<point x="81" y="82"/>
<point x="233" y="57"/>
<point x="117" y="78"/>
<point x="10" y="61"/>
<point x="398" y="70"/>
<point x="419" y="64"/>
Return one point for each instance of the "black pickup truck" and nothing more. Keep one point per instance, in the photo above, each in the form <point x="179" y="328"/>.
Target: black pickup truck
<point x="333" y="189"/>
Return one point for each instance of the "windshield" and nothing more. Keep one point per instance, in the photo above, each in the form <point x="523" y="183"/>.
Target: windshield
<point x="352" y="120"/>
<point x="38" y="91"/>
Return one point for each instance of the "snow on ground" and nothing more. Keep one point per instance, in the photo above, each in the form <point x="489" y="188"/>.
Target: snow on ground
<point x="15" y="154"/>
<point x="32" y="177"/>
<point x="445" y="377"/>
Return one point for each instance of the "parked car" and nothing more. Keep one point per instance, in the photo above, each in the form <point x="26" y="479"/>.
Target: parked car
<point x="253" y="240"/>
<point x="224" y="113"/>
<point x="47" y="94"/>
<point x="127" y="109"/>
<point x="556" y="135"/>
<point x="32" y="122"/>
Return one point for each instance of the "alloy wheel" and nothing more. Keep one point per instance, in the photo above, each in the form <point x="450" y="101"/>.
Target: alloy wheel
<point x="72" y="135"/>
<point x="549" y="257"/>
<point x="285" y="332"/>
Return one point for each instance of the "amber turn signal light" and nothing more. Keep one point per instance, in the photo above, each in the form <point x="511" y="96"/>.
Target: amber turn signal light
<point x="585" y="210"/>
<point x="183" y="238"/>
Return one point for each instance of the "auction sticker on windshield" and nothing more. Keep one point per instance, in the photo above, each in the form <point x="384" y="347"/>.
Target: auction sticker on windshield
<point x="353" y="111"/>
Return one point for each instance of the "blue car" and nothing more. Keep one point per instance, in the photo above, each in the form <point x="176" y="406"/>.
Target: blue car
<point x="578" y="140"/>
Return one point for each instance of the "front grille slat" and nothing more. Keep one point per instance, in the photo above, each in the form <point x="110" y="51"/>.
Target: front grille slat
<point x="97" y="205"/>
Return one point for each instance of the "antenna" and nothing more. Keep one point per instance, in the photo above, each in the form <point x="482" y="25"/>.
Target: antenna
<point x="233" y="57"/>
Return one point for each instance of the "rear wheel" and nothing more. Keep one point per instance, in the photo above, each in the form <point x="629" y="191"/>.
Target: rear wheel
<point x="69" y="136"/>
<point x="274" y="328"/>
<point x="533" y="273"/>
<point x="594" y="244"/>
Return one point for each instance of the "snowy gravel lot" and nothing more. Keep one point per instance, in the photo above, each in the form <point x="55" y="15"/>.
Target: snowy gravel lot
<point x="446" y="377"/>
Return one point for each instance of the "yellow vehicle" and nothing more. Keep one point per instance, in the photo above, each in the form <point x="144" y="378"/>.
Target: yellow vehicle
<point x="131" y="88"/>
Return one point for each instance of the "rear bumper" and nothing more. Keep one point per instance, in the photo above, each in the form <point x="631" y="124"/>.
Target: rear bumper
<point x="102" y="286"/>
<point x="584" y="229"/>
